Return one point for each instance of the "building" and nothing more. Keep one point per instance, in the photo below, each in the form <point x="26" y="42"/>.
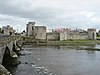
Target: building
<point x="30" y="28"/>
<point x="78" y="34"/>
<point x="63" y="36"/>
<point x="8" y="30"/>
<point x="91" y="34"/>
<point x="39" y="32"/>
<point x="53" y="36"/>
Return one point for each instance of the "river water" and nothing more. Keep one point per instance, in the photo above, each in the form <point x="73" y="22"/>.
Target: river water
<point x="57" y="60"/>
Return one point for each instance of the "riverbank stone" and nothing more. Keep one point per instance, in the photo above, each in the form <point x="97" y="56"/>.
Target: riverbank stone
<point x="4" y="71"/>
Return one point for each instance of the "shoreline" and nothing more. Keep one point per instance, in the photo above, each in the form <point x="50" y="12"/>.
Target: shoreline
<point x="74" y="44"/>
<point x="65" y="43"/>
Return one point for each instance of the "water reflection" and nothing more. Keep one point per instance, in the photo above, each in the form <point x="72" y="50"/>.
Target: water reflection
<point x="91" y="55"/>
<point x="59" y="60"/>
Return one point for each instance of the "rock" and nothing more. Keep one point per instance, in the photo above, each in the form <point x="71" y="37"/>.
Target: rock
<point x="4" y="71"/>
<point x="26" y="63"/>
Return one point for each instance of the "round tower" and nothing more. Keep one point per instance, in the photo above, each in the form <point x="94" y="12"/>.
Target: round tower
<point x="92" y="34"/>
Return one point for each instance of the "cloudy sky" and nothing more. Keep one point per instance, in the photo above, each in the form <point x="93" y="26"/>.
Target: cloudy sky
<point x="80" y="14"/>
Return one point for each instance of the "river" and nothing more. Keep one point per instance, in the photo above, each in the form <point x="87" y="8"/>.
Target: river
<point x="57" y="60"/>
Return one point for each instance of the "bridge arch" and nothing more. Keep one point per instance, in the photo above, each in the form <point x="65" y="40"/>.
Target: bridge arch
<point x="10" y="56"/>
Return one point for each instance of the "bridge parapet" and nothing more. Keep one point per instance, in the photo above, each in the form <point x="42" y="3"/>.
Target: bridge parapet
<point x="11" y="43"/>
<point x="5" y="39"/>
<point x="7" y="54"/>
<point x="11" y="47"/>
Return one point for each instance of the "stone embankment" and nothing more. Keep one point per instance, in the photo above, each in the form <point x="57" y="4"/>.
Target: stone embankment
<point x="4" y="71"/>
<point x="8" y="52"/>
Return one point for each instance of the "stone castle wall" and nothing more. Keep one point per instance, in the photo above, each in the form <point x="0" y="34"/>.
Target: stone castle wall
<point x="53" y="36"/>
<point x="40" y="32"/>
<point x="29" y="28"/>
<point x="91" y="33"/>
<point x="75" y="35"/>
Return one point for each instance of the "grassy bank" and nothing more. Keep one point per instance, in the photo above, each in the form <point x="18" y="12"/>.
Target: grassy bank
<point x="74" y="42"/>
<point x="66" y="42"/>
<point x="31" y="40"/>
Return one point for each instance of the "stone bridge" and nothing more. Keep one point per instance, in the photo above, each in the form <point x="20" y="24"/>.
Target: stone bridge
<point x="9" y="48"/>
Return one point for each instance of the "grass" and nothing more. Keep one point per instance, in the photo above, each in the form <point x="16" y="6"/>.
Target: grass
<point x="74" y="42"/>
<point x="31" y="40"/>
<point x="65" y="42"/>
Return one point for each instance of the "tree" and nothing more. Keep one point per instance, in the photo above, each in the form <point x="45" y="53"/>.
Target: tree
<point x="10" y="33"/>
<point x="23" y="31"/>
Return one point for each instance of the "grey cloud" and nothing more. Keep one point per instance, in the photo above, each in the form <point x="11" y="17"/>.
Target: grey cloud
<point x="49" y="13"/>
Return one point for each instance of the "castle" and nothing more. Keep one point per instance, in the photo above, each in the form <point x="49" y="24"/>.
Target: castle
<point x="7" y="30"/>
<point x="39" y="32"/>
<point x="78" y="34"/>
